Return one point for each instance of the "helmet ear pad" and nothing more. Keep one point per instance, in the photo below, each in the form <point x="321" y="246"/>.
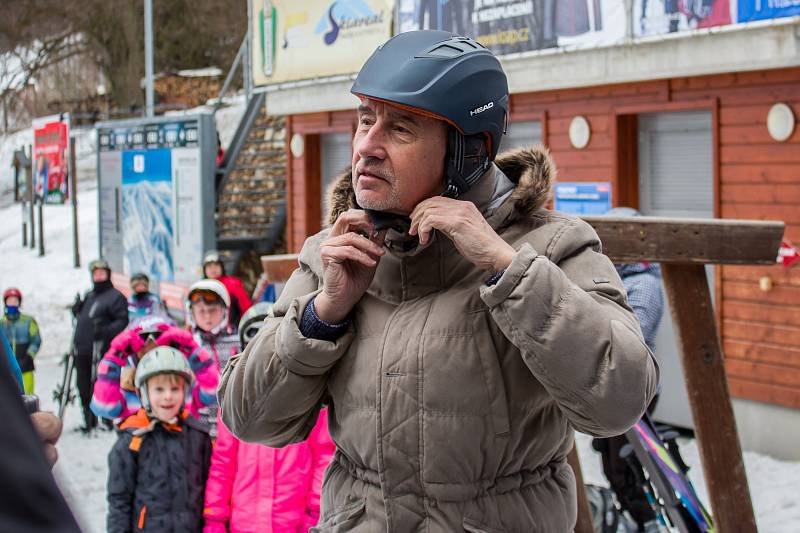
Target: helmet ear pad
<point x="467" y="159"/>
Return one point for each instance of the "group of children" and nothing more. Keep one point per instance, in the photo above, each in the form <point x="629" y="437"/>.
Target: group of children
<point x="175" y="467"/>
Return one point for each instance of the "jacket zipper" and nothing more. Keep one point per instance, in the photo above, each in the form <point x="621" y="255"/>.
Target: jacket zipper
<point x="141" y="516"/>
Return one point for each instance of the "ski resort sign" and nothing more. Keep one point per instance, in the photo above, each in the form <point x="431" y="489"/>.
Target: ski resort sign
<point x="156" y="189"/>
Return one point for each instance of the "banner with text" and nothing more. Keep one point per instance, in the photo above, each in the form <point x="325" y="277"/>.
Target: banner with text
<point x="302" y="40"/>
<point x="509" y="26"/>
<point x="51" y="159"/>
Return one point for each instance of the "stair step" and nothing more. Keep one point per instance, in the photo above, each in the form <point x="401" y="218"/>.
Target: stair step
<point x="246" y="216"/>
<point x="240" y="204"/>
<point x="257" y="192"/>
<point x="262" y="228"/>
<point x="255" y="179"/>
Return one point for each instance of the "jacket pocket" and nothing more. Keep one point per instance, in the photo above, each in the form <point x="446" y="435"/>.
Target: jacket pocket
<point x="493" y="376"/>
<point x="473" y="526"/>
<point x="342" y="518"/>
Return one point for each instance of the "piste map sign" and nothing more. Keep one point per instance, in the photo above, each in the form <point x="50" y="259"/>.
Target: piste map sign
<point x="155" y="186"/>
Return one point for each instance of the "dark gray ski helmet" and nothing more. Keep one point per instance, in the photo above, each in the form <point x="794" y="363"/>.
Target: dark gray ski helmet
<point x="448" y="77"/>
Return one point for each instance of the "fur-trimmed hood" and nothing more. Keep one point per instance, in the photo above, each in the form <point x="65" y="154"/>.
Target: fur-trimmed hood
<point x="531" y="169"/>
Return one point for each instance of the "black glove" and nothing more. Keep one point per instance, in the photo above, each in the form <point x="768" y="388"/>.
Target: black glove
<point x="77" y="305"/>
<point x="99" y="328"/>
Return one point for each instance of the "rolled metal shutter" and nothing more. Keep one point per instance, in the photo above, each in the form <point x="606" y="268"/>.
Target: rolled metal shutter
<point x="336" y="155"/>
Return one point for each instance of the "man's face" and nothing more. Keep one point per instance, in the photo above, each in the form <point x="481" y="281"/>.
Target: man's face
<point x="207" y="316"/>
<point x="99" y="275"/>
<point x="166" y="395"/>
<point x="141" y="287"/>
<point x="12" y="301"/>
<point x="398" y="157"/>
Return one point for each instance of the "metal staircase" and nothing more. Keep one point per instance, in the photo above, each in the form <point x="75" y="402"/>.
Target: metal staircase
<point x="251" y="185"/>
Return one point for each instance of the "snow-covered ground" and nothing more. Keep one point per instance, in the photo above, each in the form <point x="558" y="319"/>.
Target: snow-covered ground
<point x="49" y="285"/>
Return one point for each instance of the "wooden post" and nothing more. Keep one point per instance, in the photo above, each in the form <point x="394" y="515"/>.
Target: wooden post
<point x="73" y="193"/>
<point x="584" y="523"/>
<point x="709" y="397"/>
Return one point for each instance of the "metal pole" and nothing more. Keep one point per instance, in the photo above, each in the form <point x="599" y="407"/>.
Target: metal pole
<point x="31" y="196"/>
<point x="247" y="65"/>
<point x="148" y="57"/>
<point x="73" y="191"/>
<point x="41" y="228"/>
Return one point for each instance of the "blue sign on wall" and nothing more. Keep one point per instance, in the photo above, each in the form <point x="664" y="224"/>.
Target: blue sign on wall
<point x="581" y="198"/>
<point x="750" y="10"/>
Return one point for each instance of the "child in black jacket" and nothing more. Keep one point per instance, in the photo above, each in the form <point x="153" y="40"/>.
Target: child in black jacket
<point x="159" y="464"/>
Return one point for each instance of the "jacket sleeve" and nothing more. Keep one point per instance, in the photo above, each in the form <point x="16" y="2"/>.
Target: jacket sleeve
<point x="121" y="486"/>
<point x="118" y="318"/>
<point x="322" y="449"/>
<point x="566" y="312"/>
<point x="241" y="297"/>
<point x="35" y="338"/>
<point x="107" y="398"/>
<point x="647" y="302"/>
<point x="272" y="392"/>
<point x="219" y="487"/>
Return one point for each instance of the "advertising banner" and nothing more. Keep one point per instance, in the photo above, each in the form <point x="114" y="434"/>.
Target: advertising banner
<point x="50" y="159"/>
<point x="749" y="10"/>
<point x="656" y="17"/>
<point x="509" y="26"/>
<point x="316" y="38"/>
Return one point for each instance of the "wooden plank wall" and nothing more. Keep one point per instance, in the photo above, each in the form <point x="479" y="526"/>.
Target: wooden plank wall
<point x="755" y="178"/>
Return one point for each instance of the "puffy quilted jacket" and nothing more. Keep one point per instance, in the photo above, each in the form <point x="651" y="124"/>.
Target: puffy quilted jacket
<point x="452" y="403"/>
<point x="257" y="489"/>
<point x="157" y="475"/>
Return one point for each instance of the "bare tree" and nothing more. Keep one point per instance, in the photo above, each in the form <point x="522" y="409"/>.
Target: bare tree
<point x="37" y="36"/>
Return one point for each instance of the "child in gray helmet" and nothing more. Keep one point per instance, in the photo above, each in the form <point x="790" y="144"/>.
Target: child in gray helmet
<point x="159" y="464"/>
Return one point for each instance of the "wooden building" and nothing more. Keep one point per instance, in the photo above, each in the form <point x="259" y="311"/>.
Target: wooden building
<point x="675" y="136"/>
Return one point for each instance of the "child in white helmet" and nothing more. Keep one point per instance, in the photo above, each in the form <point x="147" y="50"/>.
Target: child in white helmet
<point x="208" y="304"/>
<point x="159" y="464"/>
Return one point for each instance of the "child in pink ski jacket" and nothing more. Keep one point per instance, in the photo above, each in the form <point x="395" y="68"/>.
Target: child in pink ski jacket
<point x="112" y="399"/>
<point x="252" y="487"/>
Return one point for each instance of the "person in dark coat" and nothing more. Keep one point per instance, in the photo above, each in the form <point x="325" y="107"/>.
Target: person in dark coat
<point x="101" y="315"/>
<point x="158" y="467"/>
<point x="29" y="497"/>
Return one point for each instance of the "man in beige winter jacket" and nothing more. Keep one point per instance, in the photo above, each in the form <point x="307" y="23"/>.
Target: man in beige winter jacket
<point x="458" y="330"/>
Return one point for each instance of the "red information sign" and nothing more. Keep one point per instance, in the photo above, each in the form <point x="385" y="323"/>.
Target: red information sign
<point x="50" y="161"/>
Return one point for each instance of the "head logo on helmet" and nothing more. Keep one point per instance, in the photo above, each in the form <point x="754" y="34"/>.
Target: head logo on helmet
<point x="481" y="109"/>
<point x="452" y="78"/>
